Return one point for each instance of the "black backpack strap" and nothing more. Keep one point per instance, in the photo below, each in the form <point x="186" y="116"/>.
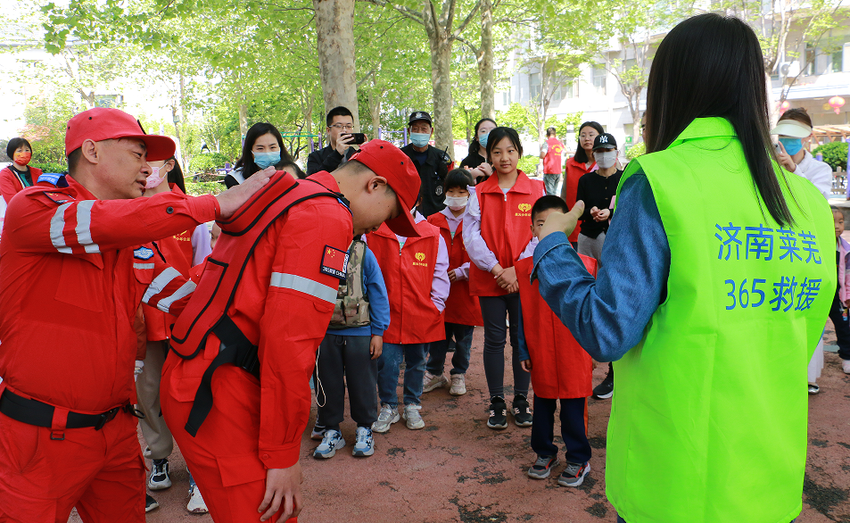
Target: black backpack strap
<point x="237" y="350"/>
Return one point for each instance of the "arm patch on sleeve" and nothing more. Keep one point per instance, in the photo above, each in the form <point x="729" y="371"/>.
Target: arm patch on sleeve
<point x="334" y="262"/>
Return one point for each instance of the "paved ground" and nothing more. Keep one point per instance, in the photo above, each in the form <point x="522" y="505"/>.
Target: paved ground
<point x="458" y="470"/>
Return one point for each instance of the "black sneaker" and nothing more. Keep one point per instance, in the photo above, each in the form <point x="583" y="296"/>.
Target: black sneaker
<point x="543" y="467"/>
<point x="522" y="411"/>
<point x="150" y="503"/>
<point x="605" y="390"/>
<point x="573" y="475"/>
<point x="498" y="413"/>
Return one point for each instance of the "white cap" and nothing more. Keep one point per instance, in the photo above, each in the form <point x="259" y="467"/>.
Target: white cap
<point x="792" y="128"/>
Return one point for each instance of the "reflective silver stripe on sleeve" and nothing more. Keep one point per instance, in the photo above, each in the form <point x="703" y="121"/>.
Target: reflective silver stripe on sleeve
<point x="305" y="285"/>
<point x="57" y="226"/>
<point x="160" y="282"/>
<point x="83" y="229"/>
<point x="143" y="266"/>
<point x="165" y="304"/>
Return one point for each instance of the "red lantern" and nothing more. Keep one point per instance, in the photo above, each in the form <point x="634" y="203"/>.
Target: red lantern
<point x="836" y="102"/>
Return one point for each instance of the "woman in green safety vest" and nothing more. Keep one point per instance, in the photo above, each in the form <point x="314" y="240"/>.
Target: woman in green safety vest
<point x="716" y="280"/>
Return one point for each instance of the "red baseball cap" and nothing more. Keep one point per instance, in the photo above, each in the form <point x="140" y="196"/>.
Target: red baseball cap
<point x="104" y="123"/>
<point x="387" y="160"/>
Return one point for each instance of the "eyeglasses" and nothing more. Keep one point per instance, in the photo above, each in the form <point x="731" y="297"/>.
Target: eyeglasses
<point x="344" y="127"/>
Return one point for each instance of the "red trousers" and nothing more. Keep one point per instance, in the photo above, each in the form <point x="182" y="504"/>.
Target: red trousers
<point x="223" y="456"/>
<point x="101" y="472"/>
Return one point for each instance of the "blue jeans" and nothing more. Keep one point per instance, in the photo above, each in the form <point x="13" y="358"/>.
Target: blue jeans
<point x="462" y="335"/>
<point x="413" y="354"/>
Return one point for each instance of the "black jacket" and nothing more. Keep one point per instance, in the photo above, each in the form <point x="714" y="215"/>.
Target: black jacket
<point x="432" y="175"/>
<point x="326" y="159"/>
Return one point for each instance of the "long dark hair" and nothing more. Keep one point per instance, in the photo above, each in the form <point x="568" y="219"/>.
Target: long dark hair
<point x="474" y="146"/>
<point x="581" y="154"/>
<point x="175" y="175"/>
<point x="246" y="162"/>
<point x="711" y="66"/>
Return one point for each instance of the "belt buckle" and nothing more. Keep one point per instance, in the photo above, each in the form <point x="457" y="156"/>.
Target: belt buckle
<point x="107" y="416"/>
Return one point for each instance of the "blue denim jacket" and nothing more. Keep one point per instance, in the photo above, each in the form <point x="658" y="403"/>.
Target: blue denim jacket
<point x="608" y="315"/>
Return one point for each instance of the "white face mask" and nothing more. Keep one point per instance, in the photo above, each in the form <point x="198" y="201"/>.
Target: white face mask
<point x="456" y="203"/>
<point x="605" y="160"/>
<point x="154" y="180"/>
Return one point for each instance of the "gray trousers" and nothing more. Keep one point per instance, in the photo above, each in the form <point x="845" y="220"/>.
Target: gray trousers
<point x="550" y="181"/>
<point x="591" y="246"/>
<point x="346" y="360"/>
<point x="154" y="429"/>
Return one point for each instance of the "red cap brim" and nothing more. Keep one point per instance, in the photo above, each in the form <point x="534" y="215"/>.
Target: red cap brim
<point x="403" y="225"/>
<point x="158" y="147"/>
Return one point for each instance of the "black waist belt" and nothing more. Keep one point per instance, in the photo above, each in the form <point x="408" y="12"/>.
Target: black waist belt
<point x="34" y="412"/>
<point x="237" y="350"/>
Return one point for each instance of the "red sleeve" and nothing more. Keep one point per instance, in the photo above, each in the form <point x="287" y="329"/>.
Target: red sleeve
<point x="298" y="309"/>
<point x="53" y="220"/>
<point x="169" y="291"/>
<point x="9" y="185"/>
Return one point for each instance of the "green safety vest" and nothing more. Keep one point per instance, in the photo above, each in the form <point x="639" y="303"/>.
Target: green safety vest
<point x="708" y="421"/>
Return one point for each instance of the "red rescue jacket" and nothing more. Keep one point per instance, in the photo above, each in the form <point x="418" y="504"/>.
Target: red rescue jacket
<point x="461" y="307"/>
<point x="408" y="273"/>
<point x="10" y="185"/>
<point x="505" y="226"/>
<point x="560" y="368"/>
<point x="73" y="271"/>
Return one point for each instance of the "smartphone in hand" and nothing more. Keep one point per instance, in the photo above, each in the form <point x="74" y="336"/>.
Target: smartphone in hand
<point x="359" y="138"/>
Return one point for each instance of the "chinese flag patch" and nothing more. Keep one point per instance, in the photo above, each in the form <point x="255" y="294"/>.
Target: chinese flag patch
<point x="334" y="262"/>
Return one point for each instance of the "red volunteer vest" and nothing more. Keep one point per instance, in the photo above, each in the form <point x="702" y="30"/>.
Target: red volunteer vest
<point x="552" y="159"/>
<point x="560" y="368"/>
<point x="408" y="273"/>
<point x="575" y="170"/>
<point x="505" y="226"/>
<point x="461" y="307"/>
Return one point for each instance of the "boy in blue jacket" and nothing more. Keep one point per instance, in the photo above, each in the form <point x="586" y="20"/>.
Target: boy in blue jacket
<point x="351" y="348"/>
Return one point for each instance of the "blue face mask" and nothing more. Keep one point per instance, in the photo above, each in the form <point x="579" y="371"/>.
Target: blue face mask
<point x="264" y="160"/>
<point x="482" y="140"/>
<point x="792" y="145"/>
<point x="420" y="139"/>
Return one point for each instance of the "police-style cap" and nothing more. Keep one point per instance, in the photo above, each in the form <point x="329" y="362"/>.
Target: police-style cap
<point x="791" y="128"/>
<point x="419" y="115"/>
<point x="387" y="160"/>
<point x="605" y="141"/>
<point x="104" y="123"/>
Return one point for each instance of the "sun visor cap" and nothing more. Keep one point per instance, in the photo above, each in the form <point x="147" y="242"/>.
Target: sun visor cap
<point x="388" y="161"/>
<point x="792" y="128"/>
<point x="104" y="123"/>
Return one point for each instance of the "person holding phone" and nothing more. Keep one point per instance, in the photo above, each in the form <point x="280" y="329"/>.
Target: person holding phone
<point x="341" y="138"/>
<point x="432" y="164"/>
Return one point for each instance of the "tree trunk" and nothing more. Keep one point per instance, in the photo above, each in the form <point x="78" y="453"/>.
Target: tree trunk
<point x="374" y="100"/>
<point x="335" y="42"/>
<point x="243" y="120"/>
<point x="441" y="56"/>
<point x="485" y="62"/>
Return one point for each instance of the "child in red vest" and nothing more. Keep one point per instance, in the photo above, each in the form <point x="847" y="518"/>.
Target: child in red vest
<point x="462" y="310"/>
<point x="496" y="235"/>
<point x="415" y="273"/>
<point x="560" y="369"/>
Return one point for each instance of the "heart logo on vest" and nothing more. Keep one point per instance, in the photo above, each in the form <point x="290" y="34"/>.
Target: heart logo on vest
<point x="420" y="256"/>
<point x="420" y="260"/>
<point x="524" y="207"/>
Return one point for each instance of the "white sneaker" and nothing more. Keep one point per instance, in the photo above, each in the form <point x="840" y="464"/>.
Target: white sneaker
<point x="386" y="418"/>
<point x="196" y="501"/>
<point x="413" y="418"/>
<point x="159" y="478"/>
<point x="332" y="442"/>
<point x="431" y="382"/>
<point x="458" y="385"/>
<point x="845" y="365"/>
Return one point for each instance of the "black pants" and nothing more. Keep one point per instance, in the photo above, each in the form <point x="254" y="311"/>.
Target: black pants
<point x="572" y="428"/>
<point x="494" y="311"/>
<point x="346" y="359"/>
<point x="842" y="328"/>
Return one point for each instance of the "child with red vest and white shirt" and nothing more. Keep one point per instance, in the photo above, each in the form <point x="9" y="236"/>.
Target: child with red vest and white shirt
<point x="462" y="310"/>
<point x="559" y="366"/>
<point x="415" y="273"/>
<point x="496" y="235"/>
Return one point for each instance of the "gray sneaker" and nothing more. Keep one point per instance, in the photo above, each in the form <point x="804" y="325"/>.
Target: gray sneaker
<point x="432" y="382"/>
<point x="458" y="385"/>
<point x="386" y="418"/>
<point x="331" y="442"/>
<point x="543" y="467"/>
<point x="573" y="475"/>
<point x="413" y="418"/>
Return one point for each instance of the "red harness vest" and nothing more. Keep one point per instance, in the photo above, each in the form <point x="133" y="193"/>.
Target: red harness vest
<point x="505" y="226"/>
<point x="206" y="313"/>
<point x="461" y="307"/>
<point x="560" y="368"/>
<point x="409" y="273"/>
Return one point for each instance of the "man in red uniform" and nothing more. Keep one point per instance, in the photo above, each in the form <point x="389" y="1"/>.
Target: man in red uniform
<point x="75" y="263"/>
<point x="244" y="455"/>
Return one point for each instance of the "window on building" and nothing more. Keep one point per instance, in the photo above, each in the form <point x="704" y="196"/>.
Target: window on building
<point x="599" y="79"/>
<point x="534" y="88"/>
<point x="570" y="88"/>
<point x="506" y="98"/>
